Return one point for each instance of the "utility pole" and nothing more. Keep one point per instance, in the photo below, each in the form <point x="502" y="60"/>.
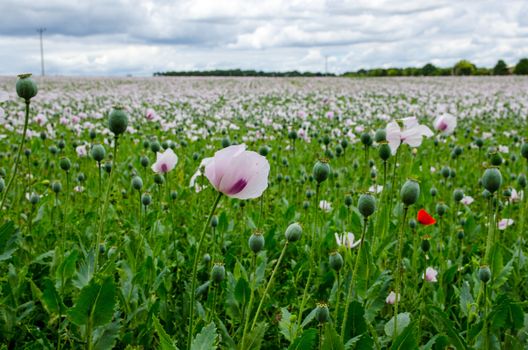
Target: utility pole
<point x="326" y="64"/>
<point x="40" y="31"/>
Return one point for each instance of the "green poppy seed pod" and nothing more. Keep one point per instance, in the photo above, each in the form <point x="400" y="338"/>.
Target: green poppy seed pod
<point x="218" y="272"/>
<point x="344" y="143"/>
<point x="56" y="187"/>
<point x="256" y="242"/>
<point x="118" y="120"/>
<point x="292" y="135"/>
<point x="384" y="151"/>
<point x="321" y="170"/>
<point x="34" y="199"/>
<point x="366" y="205"/>
<point x="484" y="273"/>
<point x="410" y="192"/>
<point x="155" y="146"/>
<point x="98" y="153"/>
<point x="524" y="150"/>
<point x="445" y="172"/>
<point x="214" y="221"/>
<point x="137" y="183"/>
<point x="521" y="181"/>
<point x="61" y="144"/>
<point x="458" y="194"/>
<point x="26" y="88"/>
<point x="2" y="184"/>
<point x="206" y="258"/>
<point x="339" y="150"/>
<point x="174" y="195"/>
<point x="412" y="224"/>
<point x="479" y="142"/>
<point x="293" y="232"/>
<point x="165" y="144"/>
<point x="43" y="135"/>
<point x="380" y="136"/>
<point x="507" y="193"/>
<point x="144" y="161"/>
<point x="306" y="205"/>
<point x="366" y="139"/>
<point x="326" y="140"/>
<point x="93" y="134"/>
<point x="53" y="150"/>
<point x="460" y="234"/>
<point x="492" y="179"/>
<point x="441" y="209"/>
<point x="27" y="152"/>
<point x="495" y="159"/>
<point x="335" y="261"/>
<point x="226" y="142"/>
<point x="426" y="244"/>
<point x="348" y="200"/>
<point x="159" y="179"/>
<point x="146" y="199"/>
<point x="81" y="177"/>
<point x="433" y="191"/>
<point x="65" y="164"/>
<point x="322" y="314"/>
<point x="458" y="151"/>
<point x="108" y="167"/>
<point x="263" y="151"/>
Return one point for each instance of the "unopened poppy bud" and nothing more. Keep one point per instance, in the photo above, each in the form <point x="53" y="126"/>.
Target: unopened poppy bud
<point x="65" y="164"/>
<point x="144" y="161"/>
<point x="348" y="200"/>
<point x="226" y="142"/>
<point x="366" y="139"/>
<point x="56" y="187"/>
<point x="322" y="314"/>
<point x="98" y="153"/>
<point x="366" y="205"/>
<point x="118" y="120"/>
<point x="335" y="260"/>
<point x="521" y="180"/>
<point x="426" y="244"/>
<point x="292" y="135"/>
<point x="93" y="134"/>
<point x="344" y="143"/>
<point x="293" y="232"/>
<point x="34" y="198"/>
<point x="495" y="159"/>
<point x="321" y="170"/>
<point x="263" y="151"/>
<point x="484" y="273"/>
<point x="155" y="146"/>
<point x="441" y="209"/>
<point x="174" y="195"/>
<point x="384" y="151"/>
<point x="206" y="258"/>
<point x="26" y="88"/>
<point x="380" y="136"/>
<point x="410" y="192"/>
<point x="256" y="242"/>
<point x="460" y="234"/>
<point x="445" y="172"/>
<point x="159" y="179"/>
<point x="433" y="191"/>
<point x="306" y="205"/>
<point x="108" y="167"/>
<point x="214" y="221"/>
<point x="146" y="199"/>
<point x="524" y="150"/>
<point x="218" y="272"/>
<point x="61" y="144"/>
<point x="458" y="194"/>
<point x="412" y="224"/>
<point x="137" y="183"/>
<point x="492" y="179"/>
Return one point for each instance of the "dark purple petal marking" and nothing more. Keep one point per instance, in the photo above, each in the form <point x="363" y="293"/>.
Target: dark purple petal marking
<point x="164" y="168"/>
<point x="442" y="126"/>
<point x="237" y="187"/>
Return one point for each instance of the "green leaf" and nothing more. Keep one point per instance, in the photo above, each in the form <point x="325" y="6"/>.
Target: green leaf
<point x="505" y="273"/>
<point x="166" y="342"/>
<point x="242" y="291"/>
<point x="331" y="340"/>
<point x="286" y="327"/>
<point x="106" y="336"/>
<point x="206" y="339"/>
<point x="403" y="321"/>
<point x="7" y="240"/>
<point x="95" y="304"/>
<point x="255" y="337"/>
<point x="440" y="321"/>
<point x="356" y="324"/>
<point x="306" y="341"/>
<point x="467" y="303"/>
<point x="407" y="338"/>
<point x="50" y="297"/>
<point x="506" y="314"/>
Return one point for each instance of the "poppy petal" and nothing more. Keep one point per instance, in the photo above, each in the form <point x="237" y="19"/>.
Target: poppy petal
<point x="424" y="218"/>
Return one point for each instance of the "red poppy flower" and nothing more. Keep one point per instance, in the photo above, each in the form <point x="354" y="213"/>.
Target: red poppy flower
<point x="425" y="218"/>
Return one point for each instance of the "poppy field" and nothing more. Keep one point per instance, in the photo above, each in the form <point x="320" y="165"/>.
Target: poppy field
<point x="263" y="213"/>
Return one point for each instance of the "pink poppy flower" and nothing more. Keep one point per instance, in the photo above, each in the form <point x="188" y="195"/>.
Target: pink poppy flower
<point x="238" y="173"/>
<point x="504" y="223"/>
<point x="81" y="151"/>
<point x="165" y="161"/>
<point x="391" y="298"/>
<point x="467" y="200"/>
<point x="430" y="274"/>
<point x="445" y="123"/>
<point x="347" y="240"/>
<point x="411" y="134"/>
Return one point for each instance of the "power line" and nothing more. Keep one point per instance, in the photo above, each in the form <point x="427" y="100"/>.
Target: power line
<point x="40" y="31"/>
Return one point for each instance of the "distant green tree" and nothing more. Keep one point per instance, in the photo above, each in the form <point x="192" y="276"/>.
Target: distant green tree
<point x="482" y="71"/>
<point x="429" y="69"/>
<point x="464" y="67"/>
<point x="500" y="68"/>
<point x="521" y="67"/>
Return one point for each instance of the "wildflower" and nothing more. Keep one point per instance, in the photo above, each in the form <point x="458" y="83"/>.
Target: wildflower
<point x="325" y="206"/>
<point x="412" y="133"/>
<point x="347" y="240"/>
<point x="505" y="223"/>
<point x="391" y="298"/>
<point x="467" y="200"/>
<point x="430" y="275"/>
<point x="165" y="161"/>
<point x="445" y="123"/>
<point x="425" y="218"/>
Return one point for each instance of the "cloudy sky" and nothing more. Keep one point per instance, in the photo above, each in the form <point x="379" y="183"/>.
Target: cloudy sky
<point x="139" y="37"/>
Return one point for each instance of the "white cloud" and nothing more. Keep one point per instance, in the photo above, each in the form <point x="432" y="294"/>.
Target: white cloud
<point x="118" y="37"/>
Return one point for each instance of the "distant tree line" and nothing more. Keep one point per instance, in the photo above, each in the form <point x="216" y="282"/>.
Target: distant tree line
<point x="462" y="67"/>
<point x="240" y="73"/>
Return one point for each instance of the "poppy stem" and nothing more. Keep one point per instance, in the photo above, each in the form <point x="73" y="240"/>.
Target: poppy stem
<point x="399" y="273"/>
<point x="195" y="268"/>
